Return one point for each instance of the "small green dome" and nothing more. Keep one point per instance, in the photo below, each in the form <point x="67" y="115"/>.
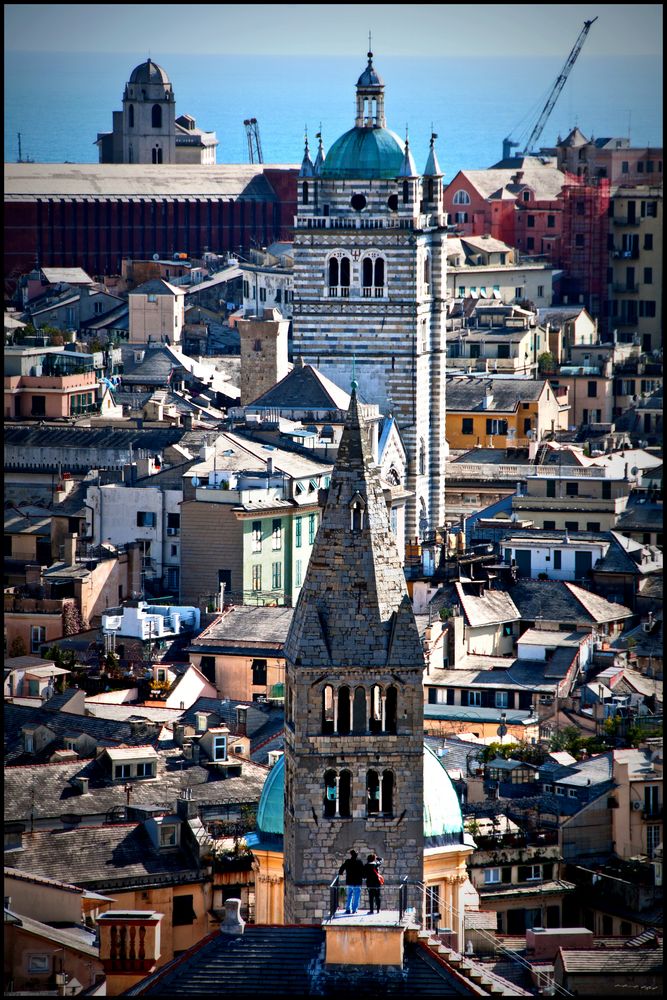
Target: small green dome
<point x="443" y="821"/>
<point x="365" y="154"/>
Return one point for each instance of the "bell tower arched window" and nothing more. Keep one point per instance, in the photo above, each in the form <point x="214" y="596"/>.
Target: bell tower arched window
<point x="359" y="711"/>
<point x="156" y="116"/>
<point x="130" y="115"/>
<point x="357" y="508"/>
<point x="375" y="717"/>
<point x="373" y="276"/>
<point x="390" y="709"/>
<point x="387" y="793"/>
<point x="427" y="272"/>
<point x="344" y="711"/>
<point x="338" y="274"/>
<point x="372" y="792"/>
<point x="304" y="192"/>
<point x="337" y="794"/>
<point x="328" y="710"/>
<point x="406" y="192"/>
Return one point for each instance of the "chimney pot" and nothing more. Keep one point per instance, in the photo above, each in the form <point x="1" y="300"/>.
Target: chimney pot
<point x="233" y="923"/>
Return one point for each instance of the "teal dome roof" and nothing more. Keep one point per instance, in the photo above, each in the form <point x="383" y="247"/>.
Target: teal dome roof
<point x="365" y="154"/>
<point x="443" y="822"/>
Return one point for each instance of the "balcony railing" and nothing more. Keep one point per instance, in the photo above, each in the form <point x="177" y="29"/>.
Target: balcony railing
<point x="394" y="896"/>
<point x="627" y="287"/>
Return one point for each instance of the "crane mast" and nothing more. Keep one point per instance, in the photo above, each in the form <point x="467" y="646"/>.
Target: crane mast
<point x="560" y="82"/>
<point x="254" y="142"/>
<point x="558" y="85"/>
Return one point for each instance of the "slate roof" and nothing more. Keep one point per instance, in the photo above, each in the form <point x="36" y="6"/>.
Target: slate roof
<point x="106" y="733"/>
<point x="466" y="393"/>
<point x="492" y="608"/>
<point x="70" y="275"/>
<point x="101" y="857"/>
<point x="157" y="286"/>
<point x="74" y="939"/>
<point x="289" y="961"/>
<point x="556" y="600"/>
<point x="304" y="388"/>
<point x="538" y="675"/>
<point x="244" y="628"/>
<point x="46" y="789"/>
<point x="603" y="963"/>
<point x="641" y="517"/>
<point x="107" y="438"/>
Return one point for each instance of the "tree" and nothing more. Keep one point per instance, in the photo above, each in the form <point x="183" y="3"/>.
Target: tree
<point x="17" y="647"/>
<point x="568" y="739"/>
<point x="546" y="362"/>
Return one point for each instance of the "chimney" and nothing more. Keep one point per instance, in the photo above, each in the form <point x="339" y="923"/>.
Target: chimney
<point x="129" y="946"/>
<point x="232" y="924"/>
<point x="82" y="784"/>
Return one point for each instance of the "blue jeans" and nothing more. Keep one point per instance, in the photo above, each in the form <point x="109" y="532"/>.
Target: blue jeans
<point x="353" y="896"/>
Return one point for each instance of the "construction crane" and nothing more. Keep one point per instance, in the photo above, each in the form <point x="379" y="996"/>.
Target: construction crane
<point x="561" y="80"/>
<point x="254" y="143"/>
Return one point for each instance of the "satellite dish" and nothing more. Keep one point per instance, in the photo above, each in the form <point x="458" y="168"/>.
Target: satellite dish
<point x="195" y="480"/>
<point x="156" y="256"/>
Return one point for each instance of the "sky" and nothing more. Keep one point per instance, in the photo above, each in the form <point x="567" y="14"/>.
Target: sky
<point x="334" y="29"/>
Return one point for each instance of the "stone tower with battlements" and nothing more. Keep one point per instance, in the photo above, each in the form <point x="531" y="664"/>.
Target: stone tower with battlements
<point x="370" y="285"/>
<point x="353" y="696"/>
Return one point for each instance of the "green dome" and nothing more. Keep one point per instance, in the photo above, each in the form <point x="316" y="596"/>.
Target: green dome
<point x="443" y="821"/>
<point x="365" y="154"/>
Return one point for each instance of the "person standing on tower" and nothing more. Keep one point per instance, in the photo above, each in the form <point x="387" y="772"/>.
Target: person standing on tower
<point x="374" y="881"/>
<point x="353" y="868"/>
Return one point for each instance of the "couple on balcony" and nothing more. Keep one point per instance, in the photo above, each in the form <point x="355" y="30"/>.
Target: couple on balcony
<point x="355" y="872"/>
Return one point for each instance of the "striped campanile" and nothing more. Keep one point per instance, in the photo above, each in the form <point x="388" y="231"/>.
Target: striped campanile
<point x="369" y="282"/>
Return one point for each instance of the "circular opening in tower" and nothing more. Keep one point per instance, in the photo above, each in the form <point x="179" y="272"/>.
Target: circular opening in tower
<point x="392" y="203"/>
<point x="358" y="201"/>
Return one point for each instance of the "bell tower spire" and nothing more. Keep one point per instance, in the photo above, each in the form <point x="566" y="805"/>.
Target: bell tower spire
<point x="353" y="693"/>
<point x="370" y="96"/>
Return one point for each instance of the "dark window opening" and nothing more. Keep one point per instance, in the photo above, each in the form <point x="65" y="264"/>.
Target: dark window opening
<point x="183" y="911"/>
<point x="156" y="116"/>
<point x="259" y="671"/>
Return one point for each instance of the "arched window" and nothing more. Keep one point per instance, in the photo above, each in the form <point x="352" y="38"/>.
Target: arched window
<point x="330" y="793"/>
<point x="387" y="793"/>
<point x="390" y="709"/>
<point x="372" y="792"/>
<point x="345" y="793"/>
<point x="427" y="271"/>
<point x="156" y="116"/>
<point x="406" y="192"/>
<point x="367" y="273"/>
<point x="344" y="711"/>
<point x="339" y="271"/>
<point x="304" y="195"/>
<point x="359" y="711"/>
<point x="430" y="189"/>
<point x="461" y="198"/>
<point x="333" y="273"/>
<point x="357" y="508"/>
<point x="422" y="457"/>
<point x="373" y="275"/>
<point x="328" y="710"/>
<point x="130" y="115"/>
<point x="157" y="154"/>
<point x="375" y="720"/>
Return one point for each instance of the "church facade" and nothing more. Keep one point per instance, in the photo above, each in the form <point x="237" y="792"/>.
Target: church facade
<point x="370" y="285"/>
<point x="147" y="129"/>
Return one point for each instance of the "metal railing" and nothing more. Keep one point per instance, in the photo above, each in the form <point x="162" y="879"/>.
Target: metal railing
<point x="401" y="897"/>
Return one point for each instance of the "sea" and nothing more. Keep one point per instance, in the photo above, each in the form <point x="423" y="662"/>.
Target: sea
<point x="59" y="102"/>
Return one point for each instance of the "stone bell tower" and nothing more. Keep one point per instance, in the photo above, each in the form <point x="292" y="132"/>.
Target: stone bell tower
<point x="353" y="695"/>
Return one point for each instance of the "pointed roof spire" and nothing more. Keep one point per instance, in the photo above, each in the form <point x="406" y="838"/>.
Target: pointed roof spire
<point x="352" y="607"/>
<point x="432" y="168"/>
<point x="408" y="168"/>
<point x="319" y="159"/>
<point x="306" y="164"/>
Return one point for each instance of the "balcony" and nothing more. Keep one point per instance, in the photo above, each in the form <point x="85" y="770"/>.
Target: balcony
<point x="367" y="222"/>
<point x="626" y="254"/>
<point x="623" y="220"/>
<point x="627" y="288"/>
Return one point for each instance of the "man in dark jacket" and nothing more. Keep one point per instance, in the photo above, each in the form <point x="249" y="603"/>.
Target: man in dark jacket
<point x="354" y="877"/>
<point x="373" y="882"/>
